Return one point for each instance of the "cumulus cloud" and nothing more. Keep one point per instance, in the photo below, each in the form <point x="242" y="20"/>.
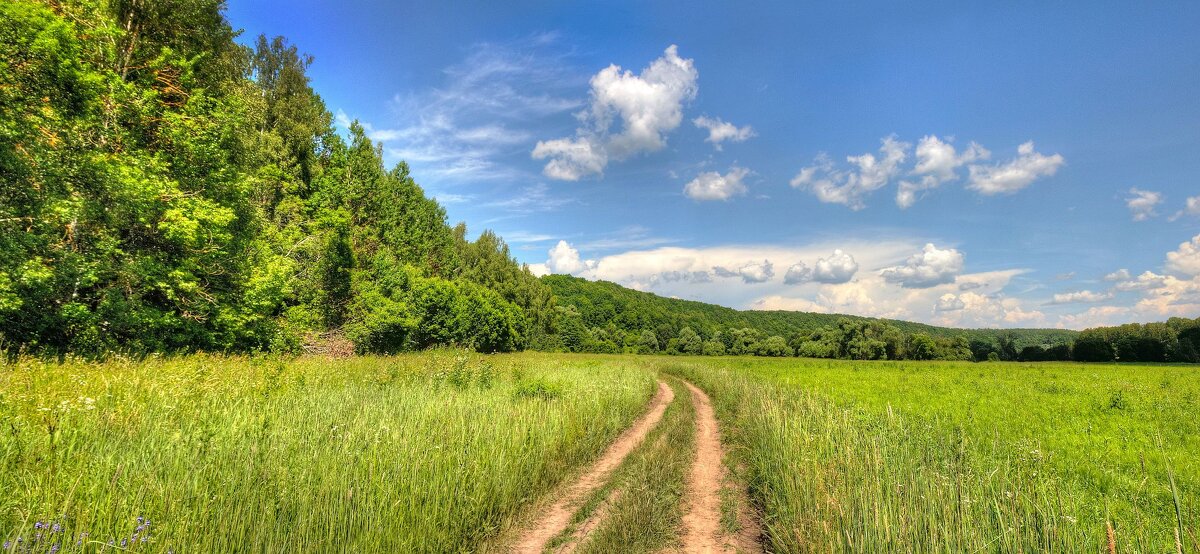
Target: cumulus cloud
<point x="870" y="295"/>
<point x="949" y="303"/>
<point x="1148" y="280"/>
<point x="1118" y="275"/>
<point x="1141" y="204"/>
<point x="750" y="272"/>
<point x="571" y="159"/>
<point x="1185" y="260"/>
<point x="848" y="186"/>
<point x="720" y="131"/>
<point x="563" y="258"/>
<point x="937" y="163"/>
<point x="1096" y="316"/>
<point x="627" y="114"/>
<point x="798" y="273"/>
<point x="838" y="268"/>
<point x="929" y="267"/>
<point x="711" y="185"/>
<point x="1014" y="175"/>
<point x="1191" y="207"/>
<point x="1082" y="296"/>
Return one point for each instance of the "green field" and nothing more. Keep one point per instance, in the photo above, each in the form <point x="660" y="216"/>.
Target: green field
<point x="447" y="451"/>
<point x="930" y="456"/>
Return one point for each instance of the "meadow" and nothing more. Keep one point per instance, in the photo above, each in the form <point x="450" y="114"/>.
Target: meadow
<point x="449" y="451"/>
<point x="429" y="453"/>
<point x="959" y="457"/>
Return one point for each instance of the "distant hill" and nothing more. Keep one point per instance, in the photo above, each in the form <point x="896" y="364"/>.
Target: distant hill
<point x="601" y="302"/>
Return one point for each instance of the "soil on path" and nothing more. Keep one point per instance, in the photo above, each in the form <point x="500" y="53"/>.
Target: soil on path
<point x="702" y="531"/>
<point x="556" y="518"/>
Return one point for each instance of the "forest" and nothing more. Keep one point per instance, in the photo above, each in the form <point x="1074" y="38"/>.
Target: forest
<point x="169" y="189"/>
<point x="603" y="317"/>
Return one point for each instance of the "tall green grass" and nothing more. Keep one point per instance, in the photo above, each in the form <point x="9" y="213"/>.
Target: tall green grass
<point x="419" y="453"/>
<point x="954" y="457"/>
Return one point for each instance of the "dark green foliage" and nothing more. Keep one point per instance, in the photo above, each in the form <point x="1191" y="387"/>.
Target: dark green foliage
<point x="677" y="324"/>
<point x="1093" y="349"/>
<point x="598" y="308"/>
<point x="774" y="346"/>
<point x="1176" y="340"/>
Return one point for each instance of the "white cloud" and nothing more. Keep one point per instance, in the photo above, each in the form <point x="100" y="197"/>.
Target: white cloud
<point x="1148" y="280"/>
<point x="720" y="131"/>
<point x="711" y="185"/>
<point x="1083" y="296"/>
<point x="1186" y="259"/>
<point x="937" y="162"/>
<point x="708" y="275"/>
<point x="1096" y="316"/>
<point x="949" y="303"/>
<point x="940" y="305"/>
<point x="839" y="267"/>
<point x="750" y="272"/>
<point x="563" y="258"/>
<point x="1118" y="275"/>
<point x="1141" y="204"/>
<point x="1015" y="174"/>
<point x="571" y="159"/>
<point x="647" y="105"/>
<point x="848" y="187"/>
<point x="1191" y="207"/>
<point x="931" y="266"/>
<point x="797" y="273"/>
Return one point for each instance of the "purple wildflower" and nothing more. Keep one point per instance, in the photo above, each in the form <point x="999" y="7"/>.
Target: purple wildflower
<point x="54" y="549"/>
<point x="7" y="545"/>
<point x="124" y="543"/>
<point x="38" y="525"/>
<point x="56" y="528"/>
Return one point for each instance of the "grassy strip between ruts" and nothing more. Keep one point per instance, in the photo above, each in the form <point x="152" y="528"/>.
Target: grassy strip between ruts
<point x="645" y="516"/>
<point x="418" y="453"/>
<point x="832" y="470"/>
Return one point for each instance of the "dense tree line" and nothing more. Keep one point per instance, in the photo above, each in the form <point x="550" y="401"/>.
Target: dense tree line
<point x="598" y="316"/>
<point x="165" y="188"/>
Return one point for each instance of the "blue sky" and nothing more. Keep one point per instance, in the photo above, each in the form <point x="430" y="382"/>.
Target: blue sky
<point x="1023" y="165"/>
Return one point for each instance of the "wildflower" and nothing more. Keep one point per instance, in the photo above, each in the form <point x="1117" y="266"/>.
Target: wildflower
<point x="7" y="545"/>
<point x="141" y="520"/>
<point x="38" y="525"/>
<point x="54" y="549"/>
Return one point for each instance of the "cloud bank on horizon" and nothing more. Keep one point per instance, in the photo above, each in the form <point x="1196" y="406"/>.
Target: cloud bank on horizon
<point x="856" y="167"/>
